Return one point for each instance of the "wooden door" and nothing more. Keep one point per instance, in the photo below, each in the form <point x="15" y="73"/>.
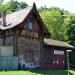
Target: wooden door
<point x="58" y="60"/>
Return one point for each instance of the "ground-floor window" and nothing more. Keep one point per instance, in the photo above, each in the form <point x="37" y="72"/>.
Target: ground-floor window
<point x="32" y="57"/>
<point x="29" y="56"/>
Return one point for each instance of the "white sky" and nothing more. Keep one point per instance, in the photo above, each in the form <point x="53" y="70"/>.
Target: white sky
<point x="65" y="4"/>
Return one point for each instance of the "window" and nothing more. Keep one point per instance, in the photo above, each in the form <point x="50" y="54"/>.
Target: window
<point x="29" y="26"/>
<point x="58" y="52"/>
<point x="29" y="56"/>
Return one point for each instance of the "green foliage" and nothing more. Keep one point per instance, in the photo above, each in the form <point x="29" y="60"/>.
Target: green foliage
<point x="55" y="20"/>
<point x="71" y="30"/>
<point x="2" y="7"/>
<point x="12" y="6"/>
<point x="23" y="5"/>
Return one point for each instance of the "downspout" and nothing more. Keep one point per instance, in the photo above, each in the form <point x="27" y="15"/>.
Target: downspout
<point x="14" y="45"/>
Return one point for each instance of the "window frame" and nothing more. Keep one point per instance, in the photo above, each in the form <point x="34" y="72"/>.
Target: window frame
<point x="30" y="25"/>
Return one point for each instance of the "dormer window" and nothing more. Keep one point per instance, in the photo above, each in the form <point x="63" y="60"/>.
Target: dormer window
<point x="30" y="25"/>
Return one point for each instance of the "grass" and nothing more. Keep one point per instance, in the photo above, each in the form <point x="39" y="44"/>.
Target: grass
<point x="72" y="72"/>
<point x="37" y="72"/>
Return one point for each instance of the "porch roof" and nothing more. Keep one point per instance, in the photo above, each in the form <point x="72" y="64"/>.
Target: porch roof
<point x="57" y="43"/>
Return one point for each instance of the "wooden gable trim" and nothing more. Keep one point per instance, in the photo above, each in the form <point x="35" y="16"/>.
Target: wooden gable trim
<point x="35" y="12"/>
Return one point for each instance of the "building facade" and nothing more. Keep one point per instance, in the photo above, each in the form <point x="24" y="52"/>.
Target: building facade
<point x="55" y="54"/>
<point x="21" y="38"/>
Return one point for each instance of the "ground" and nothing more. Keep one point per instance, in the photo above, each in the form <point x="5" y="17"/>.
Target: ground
<point x="37" y="72"/>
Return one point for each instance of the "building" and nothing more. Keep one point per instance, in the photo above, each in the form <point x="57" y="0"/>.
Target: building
<point x="21" y="39"/>
<point x="55" y="56"/>
<point x="22" y="43"/>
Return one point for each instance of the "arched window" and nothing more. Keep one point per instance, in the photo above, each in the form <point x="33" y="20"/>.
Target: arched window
<point x="30" y="25"/>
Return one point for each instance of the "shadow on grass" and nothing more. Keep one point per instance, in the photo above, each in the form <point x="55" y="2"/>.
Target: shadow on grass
<point x="50" y="72"/>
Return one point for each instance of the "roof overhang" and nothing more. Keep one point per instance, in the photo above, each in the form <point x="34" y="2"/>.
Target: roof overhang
<point x="56" y="43"/>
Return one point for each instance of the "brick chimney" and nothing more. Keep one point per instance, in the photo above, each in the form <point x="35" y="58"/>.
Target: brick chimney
<point x="4" y="18"/>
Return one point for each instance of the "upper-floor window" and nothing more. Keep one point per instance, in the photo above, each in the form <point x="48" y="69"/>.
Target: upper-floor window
<point x="30" y="25"/>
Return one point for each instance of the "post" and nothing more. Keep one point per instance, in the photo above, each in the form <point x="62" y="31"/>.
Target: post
<point x="68" y="60"/>
<point x="14" y="45"/>
<point x="15" y="42"/>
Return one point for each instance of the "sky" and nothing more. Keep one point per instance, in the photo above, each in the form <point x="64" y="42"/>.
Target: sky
<point x="63" y="4"/>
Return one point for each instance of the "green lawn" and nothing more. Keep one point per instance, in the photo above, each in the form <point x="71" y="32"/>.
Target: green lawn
<point x="37" y="72"/>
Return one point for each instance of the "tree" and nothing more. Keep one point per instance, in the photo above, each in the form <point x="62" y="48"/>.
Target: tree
<point x="23" y="5"/>
<point x="71" y="31"/>
<point x="55" y="22"/>
<point x="13" y="6"/>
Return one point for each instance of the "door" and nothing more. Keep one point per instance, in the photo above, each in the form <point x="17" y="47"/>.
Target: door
<point x="58" y="59"/>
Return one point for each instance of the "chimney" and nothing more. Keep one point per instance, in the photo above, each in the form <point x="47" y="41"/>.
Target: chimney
<point x="4" y="18"/>
<point x="0" y="14"/>
<point x="0" y="18"/>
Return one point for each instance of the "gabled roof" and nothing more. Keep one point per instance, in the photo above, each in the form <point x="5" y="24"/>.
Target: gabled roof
<point x="57" y="43"/>
<point x="18" y="17"/>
